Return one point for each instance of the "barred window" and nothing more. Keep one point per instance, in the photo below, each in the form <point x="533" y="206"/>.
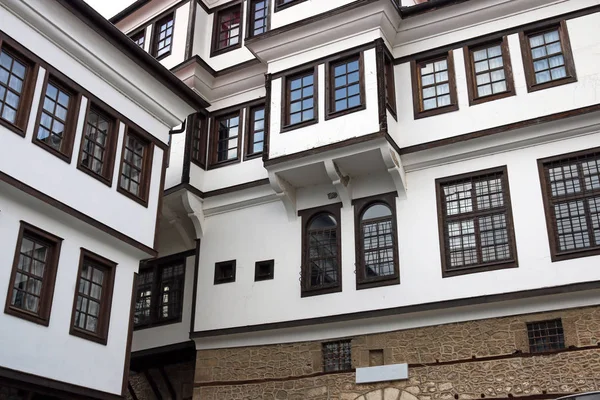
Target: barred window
<point x="476" y="222"/>
<point x="545" y="336"/>
<point x="163" y="36"/>
<point x="337" y="356"/>
<point x="572" y="197"/>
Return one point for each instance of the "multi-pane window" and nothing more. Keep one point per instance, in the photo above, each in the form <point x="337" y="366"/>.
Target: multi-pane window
<point x="163" y="36"/>
<point x="98" y="140"/>
<point x="489" y="74"/>
<point x="56" y="117"/>
<point x="282" y="4"/>
<point x="337" y="356"/>
<point x="476" y="222"/>
<point x="547" y="57"/>
<point x="93" y="297"/>
<point x="545" y="336"/>
<point x="301" y="98"/>
<point x="345" y="85"/>
<point x="226" y="138"/>
<point x="159" y="294"/>
<point x="321" y="257"/>
<point x="389" y="82"/>
<point x="256" y="131"/>
<point x="434" y="91"/>
<point x="572" y="196"/>
<point x="33" y="275"/>
<point x="13" y="79"/>
<point x="376" y="241"/>
<point x="139" y="38"/>
<point x="227" y="32"/>
<point x="259" y="17"/>
<point x="199" y="141"/>
<point x="135" y="165"/>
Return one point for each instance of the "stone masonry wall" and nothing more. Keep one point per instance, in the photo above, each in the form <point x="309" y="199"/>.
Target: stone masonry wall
<point x="294" y="371"/>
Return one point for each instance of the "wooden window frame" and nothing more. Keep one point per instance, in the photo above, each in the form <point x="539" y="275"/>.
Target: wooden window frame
<point x="250" y="12"/>
<point x="214" y="139"/>
<point x="559" y="327"/>
<point x="25" y="103"/>
<point x="474" y="98"/>
<point x="360" y="206"/>
<point x="49" y="281"/>
<point x="249" y="132"/>
<point x="146" y="168"/>
<point x="156" y="33"/>
<point x="286" y="126"/>
<point x="214" y="47"/>
<point x="442" y="223"/>
<point x="140" y="33"/>
<point x="279" y="5"/>
<point x="567" y="53"/>
<point x="199" y="134"/>
<point x="416" y="86"/>
<point x="70" y="126"/>
<point x="307" y="216"/>
<point x="218" y="280"/>
<point x="330" y="85"/>
<point x="389" y="82"/>
<point x="157" y="265"/>
<point x="555" y="253"/>
<point x="108" y="166"/>
<point x="259" y="276"/>
<point x="345" y="360"/>
<point x="105" y="302"/>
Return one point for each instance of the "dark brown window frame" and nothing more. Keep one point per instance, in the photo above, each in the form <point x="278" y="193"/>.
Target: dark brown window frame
<point x="484" y="267"/>
<point x="555" y="254"/>
<point x="31" y="75"/>
<point x="214" y="141"/>
<point x="199" y="133"/>
<point x="146" y="168"/>
<point x="214" y="47"/>
<point x="474" y="99"/>
<point x="285" y="99"/>
<point x="279" y="5"/>
<point x="416" y="86"/>
<point x="307" y="216"/>
<point x="135" y="36"/>
<point x="389" y="81"/>
<point x="250" y="23"/>
<point x="330" y="85"/>
<point x="70" y="127"/>
<point x="567" y="53"/>
<point x="219" y="280"/>
<point x="560" y="335"/>
<point x="258" y="276"/>
<point x="47" y="292"/>
<point x="111" y="145"/>
<point x="156" y="265"/>
<point x="155" y="36"/>
<point x="249" y="132"/>
<point x="105" y="301"/>
<point x="360" y="206"/>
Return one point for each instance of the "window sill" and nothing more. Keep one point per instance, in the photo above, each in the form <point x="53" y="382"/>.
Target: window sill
<point x="436" y="111"/>
<point x="551" y="84"/>
<point x="163" y="56"/>
<point x="224" y="163"/>
<point x="392" y="110"/>
<point x="132" y="196"/>
<point x="373" y="283"/>
<point x="303" y="124"/>
<point x="12" y="127"/>
<point x="218" y="52"/>
<point x="320" y="291"/>
<point x="88" y="336"/>
<point x="156" y="324"/>
<point x="480" y="268"/>
<point x="15" y="312"/>
<point x="198" y="163"/>
<point x="103" y="179"/>
<point x="280" y="7"/>
<point x="497" y="96"/>
<point x="252" y="156"/>
<point x="347" y="111"/>
<point x="569" y="255"/>
<point x="65" y="157"/>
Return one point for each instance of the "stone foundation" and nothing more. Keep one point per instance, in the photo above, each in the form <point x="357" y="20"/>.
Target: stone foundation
<point x="470" y="360"/>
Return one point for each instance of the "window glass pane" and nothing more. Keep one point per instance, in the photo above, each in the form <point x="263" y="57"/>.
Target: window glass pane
<point x="346" y="87"/>
<point x="301" y="96"/>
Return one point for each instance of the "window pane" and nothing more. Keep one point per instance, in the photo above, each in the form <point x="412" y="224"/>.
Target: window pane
<point x="346" y="88"/>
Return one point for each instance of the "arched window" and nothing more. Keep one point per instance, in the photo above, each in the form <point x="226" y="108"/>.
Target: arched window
<point x="376" y="241"/>
<point x="321" y="258"/>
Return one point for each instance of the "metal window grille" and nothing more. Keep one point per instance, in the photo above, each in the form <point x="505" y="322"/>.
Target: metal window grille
<point x="171" y="290"/>
<point x="545" y="336"/>
<point x="323" y="257"/>
<point x="337" y="356"/>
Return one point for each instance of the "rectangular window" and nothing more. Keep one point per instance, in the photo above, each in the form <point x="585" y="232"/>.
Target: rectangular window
<point x="389" y="82"/>
<point x="547" y="57"/>
<point x="225" y="272"/>
<point x="198" y="132"/>
<point x="337" y="356"/>
<point x="475" y="222"/>
<point x="571" y="191"/>
<point x="264" y="270"/>
<point x="283" y="4"/>
<point x="16" y="88"/>
<point x="57" y="119"/>
<point x="159" y="294"/>
<point x="33" y="275"/>
<point x="136" y="163"/>
<point x="255" y="131"/>
<point x="227" y="30"/>
<point x="545" y="336"/>
<point x="301" y="104"/>
<point x="259" y="17"/>
<point x="434" y="86"/>
<point x="226" y="138"/>
<point x="98" y="145"/>
<point x="93" y="297"/>
<point x="346" y="86"/>
<point x="321" y="271"/>
<point x="139" y="38"/>
<point x="163" y="37"/>
<point x="489" y="72"/>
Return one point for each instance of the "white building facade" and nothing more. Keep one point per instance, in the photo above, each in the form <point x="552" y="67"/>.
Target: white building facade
<point x="85" y="118"/>
<point x="385" y="200"/>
